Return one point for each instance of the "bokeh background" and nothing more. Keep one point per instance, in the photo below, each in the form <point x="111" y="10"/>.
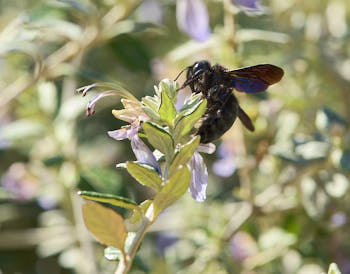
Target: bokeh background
<point x="278" y="198"/>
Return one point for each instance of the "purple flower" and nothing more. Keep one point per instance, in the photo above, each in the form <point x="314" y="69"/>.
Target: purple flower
<point x="18" y="182"/>
<point x="249" y="6"/>
<point x="193" y="19"/>
<point x="242" y="246"/>
<point x="165" y="241"/>
<point x="143" y="154"/>
<point x="151" y="11"/>
<point x="199" y="173"/>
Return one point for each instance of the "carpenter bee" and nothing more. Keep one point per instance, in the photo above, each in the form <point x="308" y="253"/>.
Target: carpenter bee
<point x="217" y="83"/>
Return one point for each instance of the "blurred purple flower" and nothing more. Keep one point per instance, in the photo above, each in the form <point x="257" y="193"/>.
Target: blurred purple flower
<point x="164" y="241"/>
<point x="225" y="166"/>
<point x="18" y="182"/>
<point x="193" y="19"/>
<point x="46" y="202"/>
<point x="338" y="219"/>
<point x="242" y="246"/>
<point x="199" y="173"/>
<point x="151" y="11"/>
<point x="249" y="6"/>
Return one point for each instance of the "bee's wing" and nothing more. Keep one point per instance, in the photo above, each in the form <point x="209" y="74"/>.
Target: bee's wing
<point x="255" y="78"/>
<point x="245" y="119"/>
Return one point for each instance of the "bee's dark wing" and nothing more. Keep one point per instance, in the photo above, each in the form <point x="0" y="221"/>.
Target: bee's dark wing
<point x="255" y="78"/>
<point x="245" y="119"/>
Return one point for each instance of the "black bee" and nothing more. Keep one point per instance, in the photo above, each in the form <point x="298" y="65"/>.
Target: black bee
<point x="217" y="83"/>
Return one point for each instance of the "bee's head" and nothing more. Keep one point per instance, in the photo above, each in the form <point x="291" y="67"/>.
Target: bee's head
<point x="194" y="72"/>
<point x="198" y="68"/>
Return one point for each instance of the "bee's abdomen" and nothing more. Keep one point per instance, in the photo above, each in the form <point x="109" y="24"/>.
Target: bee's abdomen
<point x="220" y="115"/>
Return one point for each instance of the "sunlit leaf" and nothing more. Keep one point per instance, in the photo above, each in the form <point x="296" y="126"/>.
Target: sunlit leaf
<point x="160" y="139"/>
<point x="186" y="123"/>
<point x="109" y="199"/>
<point x="184" y="155"/>
<point x="144" y="174"/>
<point x="105" y="224"/>
<point x="167" y="109"/>
<point x="174" y="188"/>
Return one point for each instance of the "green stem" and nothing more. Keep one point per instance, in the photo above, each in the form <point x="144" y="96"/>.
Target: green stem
<point x="126" y="263"/>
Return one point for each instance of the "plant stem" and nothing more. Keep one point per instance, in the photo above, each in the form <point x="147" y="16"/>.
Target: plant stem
<point x="125" y="264"/>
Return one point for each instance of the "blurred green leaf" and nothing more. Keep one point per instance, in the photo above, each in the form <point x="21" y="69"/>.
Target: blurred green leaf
<point x="326" y="118"/>
<point x="144" y="174"/>
<point x="314" y="199"/>
<point x="333" y="269"/>
<point x="174" y="188"/>
<point x="22" y="130"/>
<point x="105" y="224"/>
<point x="184" y="155"/>
<point x="159" y="139"/>
<point x="132" y="53"/>
<point x="345" y="160"/>
<point x="103" y="179"/>
<point x="338" y="186"/>
<point x="109" y="199"/>
<point x="313" y="150"/>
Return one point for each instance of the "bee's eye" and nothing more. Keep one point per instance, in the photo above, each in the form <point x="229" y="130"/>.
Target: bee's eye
<point x="200" y="67"/>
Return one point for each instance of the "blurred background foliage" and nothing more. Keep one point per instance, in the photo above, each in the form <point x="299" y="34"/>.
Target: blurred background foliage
<point x="278" y="199"/>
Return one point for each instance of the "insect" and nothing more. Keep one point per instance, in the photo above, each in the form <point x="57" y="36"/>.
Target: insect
<point x="217" y="83"/>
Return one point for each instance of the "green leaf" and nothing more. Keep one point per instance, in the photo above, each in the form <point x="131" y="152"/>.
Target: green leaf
<point x="102" y="179"/>
<point x="185" y="154"/>
<point x="144" y="174"/>
<point x="137" y="216"/>
<point x="333" y="269"/>
<point x="105" y="224"/>
<point x="175" y="187"/>
<point x="109" y="199"/>
<point x="160" y="139"/>
<point x="169" y="87"/>
<point x="167" y="109"/>
<point x="186" y="123"/>
<point x="113" y="254"/>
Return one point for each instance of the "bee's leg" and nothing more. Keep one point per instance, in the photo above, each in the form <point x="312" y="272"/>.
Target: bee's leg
<point x="245" y="119"/>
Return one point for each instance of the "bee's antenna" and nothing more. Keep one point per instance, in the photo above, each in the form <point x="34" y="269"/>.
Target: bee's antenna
<point x="180" y="73"/>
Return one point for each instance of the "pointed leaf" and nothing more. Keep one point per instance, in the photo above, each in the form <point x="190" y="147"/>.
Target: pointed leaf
<point x="185" y="154"/>
<point x="105" y="224"/>
<point x="109" y="199"/>
<point x="167" y="109"/>
<point x="186" y="123"/>
<point x="144" y="174"/>
<point x="159" y="139"/>
<point x="175" y="187"/>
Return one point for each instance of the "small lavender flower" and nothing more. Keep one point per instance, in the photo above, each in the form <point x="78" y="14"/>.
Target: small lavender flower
<point x="193" y="19"/>
<point x="199" y="173"/>
<point x="249" y="6"/>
